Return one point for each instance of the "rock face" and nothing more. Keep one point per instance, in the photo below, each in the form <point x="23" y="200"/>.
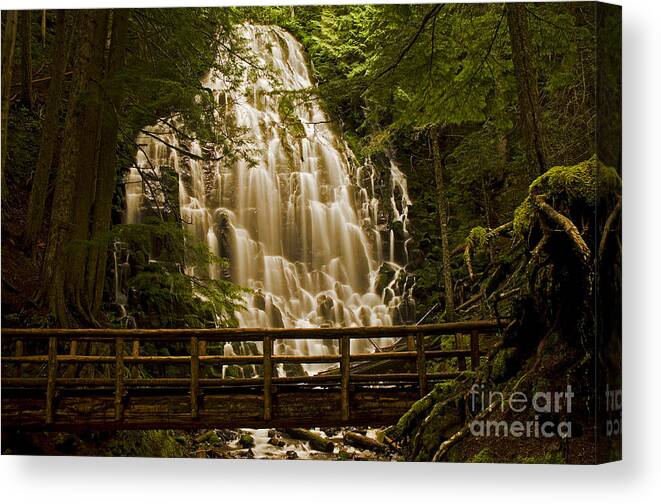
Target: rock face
<point x="300" y="221"/>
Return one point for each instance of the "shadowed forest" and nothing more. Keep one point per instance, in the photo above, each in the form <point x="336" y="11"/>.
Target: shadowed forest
<point x="324" y="167"/>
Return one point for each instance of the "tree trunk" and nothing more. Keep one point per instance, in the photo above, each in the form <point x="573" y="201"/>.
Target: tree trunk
<point x="53" y="273"/>
<point x="49" y="135"/>
<point x="442" y="203"/>
<point x="86" y="175"/>
<point x="101" y="213"/>
<point x="527" y="90"/>
<point x="26" y="59"/>
<point x="8" y="46"/>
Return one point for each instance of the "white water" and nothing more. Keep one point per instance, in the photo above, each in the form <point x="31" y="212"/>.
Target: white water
<point x="300" y="222"/>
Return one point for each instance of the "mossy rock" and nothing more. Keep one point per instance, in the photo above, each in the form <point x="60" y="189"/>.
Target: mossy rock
<point x="148" y="443"/>
<point x="246" y="441"/>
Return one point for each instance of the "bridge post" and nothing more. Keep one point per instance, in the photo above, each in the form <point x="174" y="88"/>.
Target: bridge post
<point x="52" y="378"/>
<point x="345" y="369"/>
<point x="119" y="377"/>
<point x="194" y="376"/>
<point x="19" y="353"/>
<point x="475" y="349"/>
<point x="421" y="363"/>
<point x="459" y="345"/>
<point x="410" y="343"/>
<point x="135" y="352"/>
<point x="268" y="374"/>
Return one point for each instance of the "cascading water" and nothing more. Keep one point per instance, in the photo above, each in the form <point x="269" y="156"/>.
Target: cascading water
<point x="300" y="223"/>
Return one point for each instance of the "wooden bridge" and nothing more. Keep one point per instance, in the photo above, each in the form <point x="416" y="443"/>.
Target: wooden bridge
<point x="49" y="383"/>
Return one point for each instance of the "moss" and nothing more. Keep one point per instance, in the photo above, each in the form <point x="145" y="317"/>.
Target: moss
<point x="148" y="443"/>
<point x="483" y="457"/>
<point x="585" y="183"/>
<point x="419" y="410"/>
<point x="246" y="441"/>
<point x="553" y="457"/>
<point x="524" y="217"/>
<point x="503" y="365"/>
<point x="478" y="238"/>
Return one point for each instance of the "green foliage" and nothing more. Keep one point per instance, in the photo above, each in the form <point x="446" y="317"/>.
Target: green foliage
<point x="172" y="51"/>
<point x="167" y="285"/>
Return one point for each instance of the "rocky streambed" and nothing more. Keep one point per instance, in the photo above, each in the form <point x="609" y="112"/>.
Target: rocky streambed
<point x="292" y="444"/>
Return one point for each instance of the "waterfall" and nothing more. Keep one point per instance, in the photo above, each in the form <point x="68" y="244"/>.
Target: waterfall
<point x="300" y="222"/>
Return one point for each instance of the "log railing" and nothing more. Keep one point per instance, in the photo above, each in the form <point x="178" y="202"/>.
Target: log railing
<point x="121" y="374"/>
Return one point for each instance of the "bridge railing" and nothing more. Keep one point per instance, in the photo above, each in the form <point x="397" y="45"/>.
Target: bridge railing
<point x="195" y="342"/>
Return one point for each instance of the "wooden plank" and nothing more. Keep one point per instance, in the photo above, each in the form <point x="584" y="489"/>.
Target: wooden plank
<point x="238" y="359"/>
<point x="119" y="377"/>
<point x="268" y="371"/>
<point x="52" y="376"/>
<point x="228" y="409"/>
<point x="421" y="364"/>
<point x="475" y="349"/>
<point x="194" y="376"/>
<point x="345" y="371"/>
<point x="257" y="334"/>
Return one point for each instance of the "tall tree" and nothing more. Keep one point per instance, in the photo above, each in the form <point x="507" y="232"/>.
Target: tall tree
<point x="8" y="46"/>
<point x="87" y="166"/>
<point x="528" y="92"/>
<point x="51" y="127"/>
<point x="113" y="91"/>
<point x="25" y="29"/>
<point x="66" y="188"/>
<point x="442" y="205"/>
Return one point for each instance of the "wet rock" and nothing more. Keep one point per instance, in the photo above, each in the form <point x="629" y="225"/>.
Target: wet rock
<point x="331" y="431"/>
<point x="292" y="369"/>
<point x="246" y="441"/>
<point x="276" y="441"/>
<point x="259" y="300"/>
<point x="233" y="371"/>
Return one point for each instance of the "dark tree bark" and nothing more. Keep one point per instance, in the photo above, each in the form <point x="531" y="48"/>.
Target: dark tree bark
<point x="49" y="135"/>
<point x="26" y="59"/>
<point x="66" y="188"/>
<point x="527" y="90"/>
<point x="442" y="204"/>
<point x="86" y="174"/>
<point x="107" y="170"/>
<point x="8" y="46"/>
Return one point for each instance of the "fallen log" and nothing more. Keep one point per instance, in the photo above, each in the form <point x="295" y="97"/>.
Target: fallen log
<point x="364" y="443"/>
<point x="316" y="441"/>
